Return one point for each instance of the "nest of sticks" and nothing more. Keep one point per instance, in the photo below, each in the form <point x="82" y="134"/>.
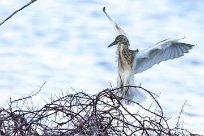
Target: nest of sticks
<point x="87" y="115"/>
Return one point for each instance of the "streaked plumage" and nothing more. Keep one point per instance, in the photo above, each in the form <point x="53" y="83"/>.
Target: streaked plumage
<point x="131" y="62"/>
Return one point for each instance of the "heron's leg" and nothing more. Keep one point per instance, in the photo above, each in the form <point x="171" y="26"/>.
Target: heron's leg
<point x="120" y="84"/>
<point x="127" y="83"/>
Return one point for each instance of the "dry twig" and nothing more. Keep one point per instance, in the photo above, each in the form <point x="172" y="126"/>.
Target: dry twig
<point x="16" y="11"/>
<point x="83" y="114"/>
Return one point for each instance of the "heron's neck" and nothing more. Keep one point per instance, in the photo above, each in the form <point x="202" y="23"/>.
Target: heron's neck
<point x="125" y="58"/>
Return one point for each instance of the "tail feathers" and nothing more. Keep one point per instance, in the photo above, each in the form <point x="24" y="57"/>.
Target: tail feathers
<point x="132" y="94"/>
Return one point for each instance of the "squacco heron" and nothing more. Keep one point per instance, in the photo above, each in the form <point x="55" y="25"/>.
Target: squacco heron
<point x="131" y="62"/>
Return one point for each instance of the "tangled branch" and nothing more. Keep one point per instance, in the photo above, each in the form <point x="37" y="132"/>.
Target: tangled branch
<point x="84" y="114"/>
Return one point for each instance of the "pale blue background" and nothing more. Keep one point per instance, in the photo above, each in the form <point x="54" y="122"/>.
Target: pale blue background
<point x="65" y="43"/>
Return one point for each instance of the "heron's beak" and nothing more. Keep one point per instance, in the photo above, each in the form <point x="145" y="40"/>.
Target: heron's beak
<point x="114" y="43"/>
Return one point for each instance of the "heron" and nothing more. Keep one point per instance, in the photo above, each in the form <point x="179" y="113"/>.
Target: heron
<point x="131" y="62"/>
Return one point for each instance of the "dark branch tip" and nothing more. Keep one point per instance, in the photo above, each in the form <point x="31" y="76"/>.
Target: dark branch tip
<point x="104" y="9"/>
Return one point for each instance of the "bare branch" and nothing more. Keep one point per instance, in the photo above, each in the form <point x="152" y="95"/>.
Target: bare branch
<point x="18" y="10"/>
<point x="84" y="114"/>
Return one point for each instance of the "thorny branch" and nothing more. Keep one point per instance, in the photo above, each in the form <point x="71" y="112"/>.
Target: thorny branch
<point x="16" y="11"/>
<point x="84" y="114"/>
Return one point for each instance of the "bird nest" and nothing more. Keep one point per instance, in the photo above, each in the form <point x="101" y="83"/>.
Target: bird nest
<point x="84" y="114"/>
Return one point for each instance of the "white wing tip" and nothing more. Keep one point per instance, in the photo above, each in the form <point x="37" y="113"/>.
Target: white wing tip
<point x="176" y="40"/>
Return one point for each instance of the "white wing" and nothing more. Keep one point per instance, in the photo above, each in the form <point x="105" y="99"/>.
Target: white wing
<point x="115" y="25"/>
<point x="164" y="50"/>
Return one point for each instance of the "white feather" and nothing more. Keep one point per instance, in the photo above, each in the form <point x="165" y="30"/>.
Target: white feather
<point x="165" y="50"/>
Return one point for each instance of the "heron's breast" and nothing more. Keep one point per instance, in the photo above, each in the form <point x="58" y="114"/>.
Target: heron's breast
<point x="125" y="62"/>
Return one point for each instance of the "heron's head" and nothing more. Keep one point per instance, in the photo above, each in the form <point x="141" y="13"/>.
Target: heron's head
<point x="120" y="39"/>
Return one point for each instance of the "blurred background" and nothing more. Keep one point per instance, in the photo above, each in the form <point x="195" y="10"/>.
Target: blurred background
<point x="65" y="44"/>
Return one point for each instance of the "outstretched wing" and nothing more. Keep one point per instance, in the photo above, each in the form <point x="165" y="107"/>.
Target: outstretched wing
<point x="164" y="50"/>
<point x="115" y="25"/>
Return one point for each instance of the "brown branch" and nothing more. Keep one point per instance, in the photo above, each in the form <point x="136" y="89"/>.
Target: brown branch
<point x="84" y="114"/>
<point x="29" y="96"/>
<point x="16" y="11"/>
